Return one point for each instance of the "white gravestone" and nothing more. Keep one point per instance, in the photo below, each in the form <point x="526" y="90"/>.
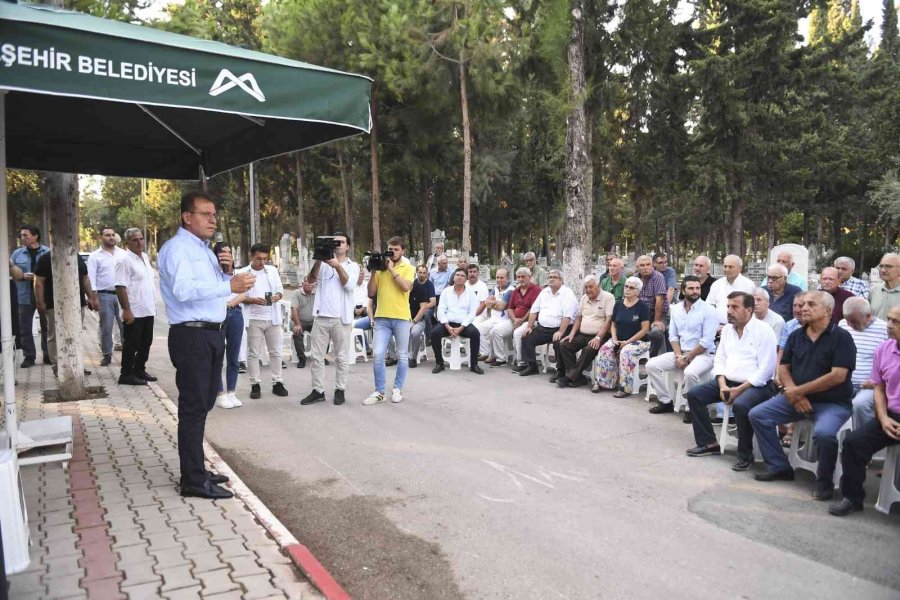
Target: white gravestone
<point x="800" y="255"/>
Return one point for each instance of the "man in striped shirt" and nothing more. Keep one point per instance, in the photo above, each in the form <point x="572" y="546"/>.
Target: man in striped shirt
<point x="868" y="332"/>
<point x="845" y="266"/>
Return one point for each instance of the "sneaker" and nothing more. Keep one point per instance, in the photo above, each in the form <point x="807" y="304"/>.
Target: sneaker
<point x="396" y="395"/>
<point x="314" y="396"/>
<point x="224" y="401"/>
<point x="255" y="392"/>
<point x="234" y="400"/>
<point x="338" y="397"/>
<point x="742" y="464"/>
<point x="242" y="367"/>
<point x="521" y="367"/>
<point x="278" y="389"/>
<point x="374" y="398"/>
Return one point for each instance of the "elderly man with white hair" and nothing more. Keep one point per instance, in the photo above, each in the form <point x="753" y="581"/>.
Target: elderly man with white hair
<point x="786" y="259"/>
<point x="762" y="311"/>
<point x="886" y="295"/>
<point x="732" y="282"/>
<point x="845" y="266"/>
<point x="868" y="332"/>
<point x="702" y="267"/>
<point x="589" y="332"/>
<point x="538" y="273"/>
<point x="433" y="259"/>
<point x="549" y="320"/>
<point x="495" y="302"/>
<point x="830" y="282"/>
<point x="516" y="321"/>
<point x="781" y="293"/>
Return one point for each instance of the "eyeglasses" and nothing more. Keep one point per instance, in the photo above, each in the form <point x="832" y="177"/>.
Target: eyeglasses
<point x="208" y="215"/>
<point x="886" y="267"/>
<point x="775" y="277"/>
<point x="631" y="287"/>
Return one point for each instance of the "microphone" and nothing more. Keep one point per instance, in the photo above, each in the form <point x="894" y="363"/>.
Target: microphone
<point x="217" y="247"/>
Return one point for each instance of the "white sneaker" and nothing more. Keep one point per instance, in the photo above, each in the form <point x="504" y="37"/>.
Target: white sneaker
<point x="234" y="401"/>
<point x="396" y="395"/>
<point x="224" y="401"/>
<point x="374" y="398"/>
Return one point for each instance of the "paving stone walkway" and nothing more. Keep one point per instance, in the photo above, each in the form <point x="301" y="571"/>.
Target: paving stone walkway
<point x="114" y="526"/>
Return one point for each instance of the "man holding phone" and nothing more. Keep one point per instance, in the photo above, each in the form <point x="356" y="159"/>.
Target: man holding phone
<point x="743" y="368"/>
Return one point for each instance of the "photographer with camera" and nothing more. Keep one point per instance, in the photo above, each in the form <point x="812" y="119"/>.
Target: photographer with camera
<point x="390" y="284"/>
<point x="336" y="276"/>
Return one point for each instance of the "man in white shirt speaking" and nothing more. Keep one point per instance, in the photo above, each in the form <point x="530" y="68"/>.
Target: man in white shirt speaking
<point x="136" y="292"/>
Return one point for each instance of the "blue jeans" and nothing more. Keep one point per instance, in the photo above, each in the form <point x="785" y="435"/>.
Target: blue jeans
<point x="385" y="329"/>
<point x="827" y="418"/>
<point x="701" y="396"/>
<point x="234" y="332"/>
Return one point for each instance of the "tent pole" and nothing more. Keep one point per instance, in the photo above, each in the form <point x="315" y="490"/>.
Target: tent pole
<point x="253" y="232"/>
<point x="9" y="374"/>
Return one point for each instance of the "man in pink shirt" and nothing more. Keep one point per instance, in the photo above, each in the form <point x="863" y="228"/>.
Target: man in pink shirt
<point x="861" y="444"/>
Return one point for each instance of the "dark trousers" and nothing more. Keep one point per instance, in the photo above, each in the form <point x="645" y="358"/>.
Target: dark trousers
<point x="439" y="332"/>
<point x="657" y="341"/>
<point x="701" y="396"/>
<point x="136" y="341"/>
<point x="197" y="355"/>
<point x="234" y="333"/>
<point x="566" y="362"/>
<point x="539" y="336"/>
<point x="298" y="339"/>
<point x="26" y="333"/>
<point x="859" y="447"/>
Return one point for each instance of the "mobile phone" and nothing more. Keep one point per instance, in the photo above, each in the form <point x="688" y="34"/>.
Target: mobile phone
<point x="269" y="298"/>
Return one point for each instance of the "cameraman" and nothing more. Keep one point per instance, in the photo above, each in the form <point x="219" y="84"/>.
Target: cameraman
<point x="332" y="317"/>
<point x="390" y="288"/>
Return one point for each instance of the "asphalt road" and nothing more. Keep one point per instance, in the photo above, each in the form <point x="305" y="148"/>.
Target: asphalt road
<point x="499" y="486"/>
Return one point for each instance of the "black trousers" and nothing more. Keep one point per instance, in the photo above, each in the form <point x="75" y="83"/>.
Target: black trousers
<point x="539" y="336"/>
<point x="439" y="332"/>
<point x="701" y="396"/>
<point x="197" y="355"/>
<point x="137" y="339"/>
<point x="859" y="447"/>
<point x="566" y="361"/>
<point x="298" y="339"/>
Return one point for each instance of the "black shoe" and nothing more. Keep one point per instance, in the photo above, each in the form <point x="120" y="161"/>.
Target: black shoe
<point x="823" y="495"/>
<point x="579" y="381"/>
<point x="438" y="368"/>
<point x="663" y="408"/>
<point x="498" y="363"/>
<point x="413" y="363"/>
<point x="210" y="491"/>
<point x="27" y="363"/>
<point x="216" y="478"/>
<point x="107" y="359"/>
<point x="301" y="362"/>
<point x="242" y="367"/>
<point x="147" y="376"/>
<point x="555" y="377"/>
<point x="705" y="451"/>
<point x="283" y="365"/>
<point x="86" y="372"/>
<point x="390" y="362"/>
<point x="562" y="381"/>
<point x="278" y="389"/>
<point x="786" y="475"/>
<point x="742" y="464"/>
<point x="255" y="392"/>
<point x="530" y="369"/>
<point x="519" y="368"/>
<point x="131" y="380"/>
<point x="47" y="360"/>
<point x="314" y="396"/>
<point x="477" y="370"/>
<point x="338" y="397"/>
<point x="844" y="507"/>
<point x="686" y="418"/>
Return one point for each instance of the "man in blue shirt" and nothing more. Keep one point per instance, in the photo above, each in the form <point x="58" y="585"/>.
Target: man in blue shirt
<point x="455" y="314"/>
<point x="781" y="293"/>
<point x="661" y="264"/>
<point x="25" y="258"/>
<point x="195" y="284"/>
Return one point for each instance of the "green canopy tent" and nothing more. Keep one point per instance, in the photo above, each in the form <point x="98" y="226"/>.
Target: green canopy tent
<point x="87" y="95"/>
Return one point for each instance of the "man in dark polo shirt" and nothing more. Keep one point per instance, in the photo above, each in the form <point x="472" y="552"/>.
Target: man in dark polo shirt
<point x="815" y="371"/>
<point x="781" y="293"/>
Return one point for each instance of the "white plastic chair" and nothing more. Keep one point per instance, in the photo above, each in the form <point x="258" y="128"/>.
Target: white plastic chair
<point x="637" y="381"/>
<point x="452" y="351"/>
<point x="680" y="395"/>
<point x="358" y="345"/>
<point x="802" y="453"/>
<point x="889" y="491"/>
<point x="546" y="356"/>
<point x="423" y="355"/>
<point x="728" y="435"/>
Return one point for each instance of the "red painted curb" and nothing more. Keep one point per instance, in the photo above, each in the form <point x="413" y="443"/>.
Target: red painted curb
<point x="317" y="574"/>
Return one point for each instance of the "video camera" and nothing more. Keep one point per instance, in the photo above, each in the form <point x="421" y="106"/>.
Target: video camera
<point x="377" y="261"/>
<point x="324" y="246"/>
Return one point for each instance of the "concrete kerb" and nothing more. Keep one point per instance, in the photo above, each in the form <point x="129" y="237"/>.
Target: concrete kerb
<point x="299" y="554"/>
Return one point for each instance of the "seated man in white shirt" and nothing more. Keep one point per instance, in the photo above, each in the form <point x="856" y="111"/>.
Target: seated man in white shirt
<point x="496" y="304"/>
<point x="732" y="282"/>
<point x="549" y="320"/>
<point x="868" y="333"/>
<point x="761" y="311"/>
<point x="744" y="367"/>
<point x="692" y="333"/>
<point x="455" y="313"/>
<point x="480" y="289"/>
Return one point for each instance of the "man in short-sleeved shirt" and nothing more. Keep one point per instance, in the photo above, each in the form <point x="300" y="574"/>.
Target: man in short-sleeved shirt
<point x="614" y="280"/>
<point x="590" y="331"/>
<point x="496" y="303"/>
<point x="816" y="368"/>
<point x="516" y="321"/>
<point x="43" y="289"/>
<point x="654" y="295"/>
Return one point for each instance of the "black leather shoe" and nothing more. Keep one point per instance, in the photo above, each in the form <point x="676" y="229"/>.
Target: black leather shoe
<point x="554" y="378"/>
<point x="413" y="363"/>
<point x="822" y="495"/>
<point x="47" y="360"/>
<point x="742" y="464"/>
<point x="787" y="475"/>
<point x="131" y="380"/>
<point x="705" y="451"/>
<point x="27" y="363"/>
<point x="579" y="381"/>
<point x="687" y="417"/>
<point x="279" y="390"/>
<point x="844" y="507"/>
<point x="530" y="369"/>
<point x="210" y="491"/>
<point x="477" y="370"/>
<point x="438" y="368"/>
<point x="217" y="478"/>
<point x="147" y="376"/>
<point x="255" y="392"/>
<point x="314" y="396"/>
<point x="519" y="368"/>
<point x="338" y="397"/>
<point x="107" y="359"/>
<point x="301" y="362"/>
<point x="562" y="381"/>
<point x="663" y="408"/>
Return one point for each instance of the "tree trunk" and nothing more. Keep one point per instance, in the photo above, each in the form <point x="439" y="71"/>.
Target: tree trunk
<point x="576" y="254"/>
<point x="770" y="233"/>
<point x="301" y="222"/>
<point x="62" y="190"/>
<point x="347" y="189"/>
<point x="735" y="240"/>
<point x="426" y="221"/>
<point x="376" y="195"/>
<point x="467" y="156"/>
<point x="836" y="226"/>
<point x="806" y="228"/>
<point x="253" y="189"/>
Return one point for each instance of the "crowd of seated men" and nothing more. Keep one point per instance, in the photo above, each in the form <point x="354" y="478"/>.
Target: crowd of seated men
<point x="775" y="354"/>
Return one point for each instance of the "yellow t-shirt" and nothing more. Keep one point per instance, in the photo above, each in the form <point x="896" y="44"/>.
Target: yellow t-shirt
<point x="393" y="303"/>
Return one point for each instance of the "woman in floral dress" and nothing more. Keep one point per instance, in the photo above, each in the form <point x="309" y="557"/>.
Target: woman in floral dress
<point x="617" y="358"/>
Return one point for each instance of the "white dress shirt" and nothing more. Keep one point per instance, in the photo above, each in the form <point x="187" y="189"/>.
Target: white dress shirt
<point x="102" y="268"/>
<point x="719" y="290"/>
<point x="267" y="280"/>
<point x="775" y="321"/>
<point x="553" y="308"/>
<point x="135" y="274"/>
<point x="455" y="308"/>
<point x="750" y="357"/>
